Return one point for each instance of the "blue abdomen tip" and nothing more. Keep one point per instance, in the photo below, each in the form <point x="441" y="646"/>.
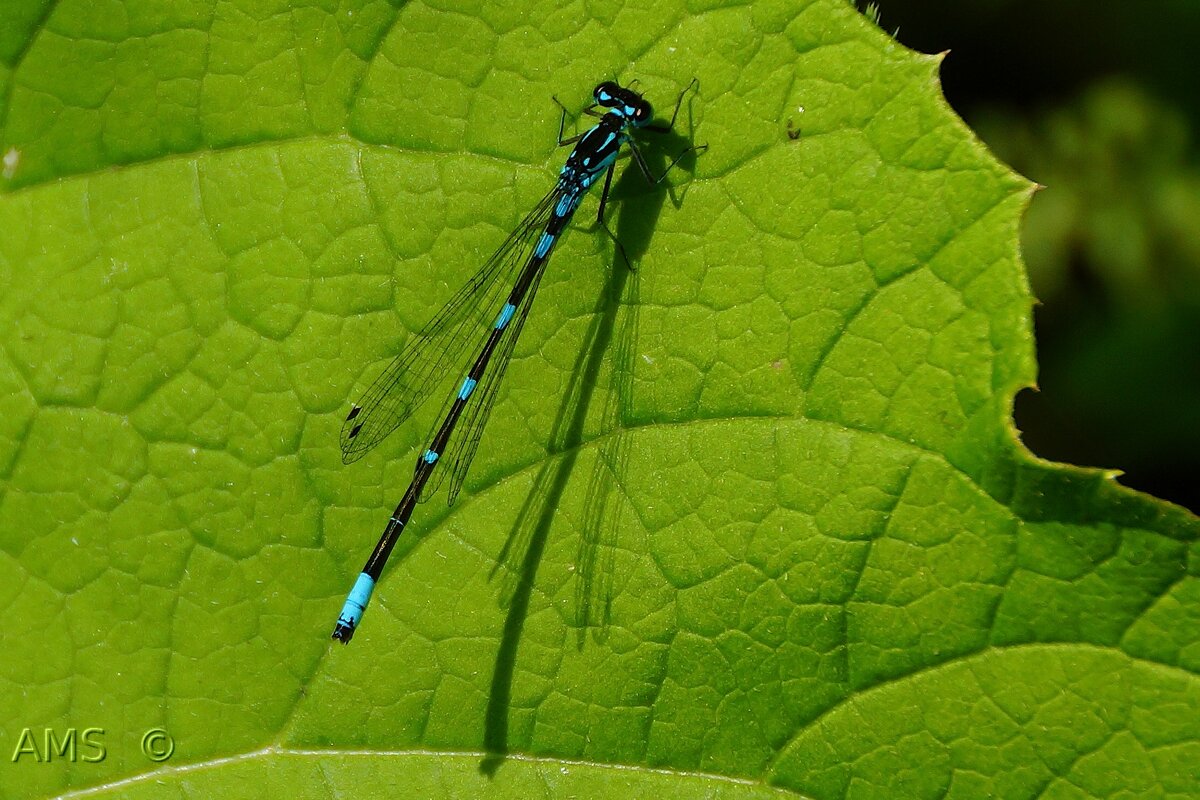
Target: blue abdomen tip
<point x="356" y="601"/>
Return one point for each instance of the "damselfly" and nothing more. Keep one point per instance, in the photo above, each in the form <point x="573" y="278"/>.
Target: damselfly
<point x="476" y="313"/>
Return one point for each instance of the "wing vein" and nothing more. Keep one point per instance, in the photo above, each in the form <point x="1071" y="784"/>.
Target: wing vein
<point x="439" y="349"/>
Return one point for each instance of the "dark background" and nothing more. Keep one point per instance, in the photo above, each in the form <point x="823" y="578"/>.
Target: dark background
<point x="1100" y="103"/>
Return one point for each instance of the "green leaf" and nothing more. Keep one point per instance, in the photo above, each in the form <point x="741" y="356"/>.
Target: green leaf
<point x="749" y="521"/>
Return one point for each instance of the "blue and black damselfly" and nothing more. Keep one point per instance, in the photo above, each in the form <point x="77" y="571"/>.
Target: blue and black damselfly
<point x="475" y="313"/>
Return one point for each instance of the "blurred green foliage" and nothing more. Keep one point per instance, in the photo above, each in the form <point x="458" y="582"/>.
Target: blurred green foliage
<point x="1122" y="198"/>
<point x="1113" y="250"/>
<point x="1096" y="103"/>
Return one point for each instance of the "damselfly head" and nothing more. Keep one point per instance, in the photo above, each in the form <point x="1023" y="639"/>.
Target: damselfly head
<point x="623" y="101"/>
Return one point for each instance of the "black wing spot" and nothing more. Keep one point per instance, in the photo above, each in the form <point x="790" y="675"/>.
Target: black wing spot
<point x="354" y="431"/>
<point x="353" y="413"/>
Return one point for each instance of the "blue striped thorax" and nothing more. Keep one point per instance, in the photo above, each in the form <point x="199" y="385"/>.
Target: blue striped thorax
<point x="598" y="148"/>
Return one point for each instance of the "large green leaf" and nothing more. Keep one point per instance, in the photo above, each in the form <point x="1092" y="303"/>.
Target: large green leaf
<point x="748" y="521"/>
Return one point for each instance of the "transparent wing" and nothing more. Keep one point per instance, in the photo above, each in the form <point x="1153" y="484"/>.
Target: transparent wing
<point x="464" y="441"/>
<point x="438" y="350"/>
